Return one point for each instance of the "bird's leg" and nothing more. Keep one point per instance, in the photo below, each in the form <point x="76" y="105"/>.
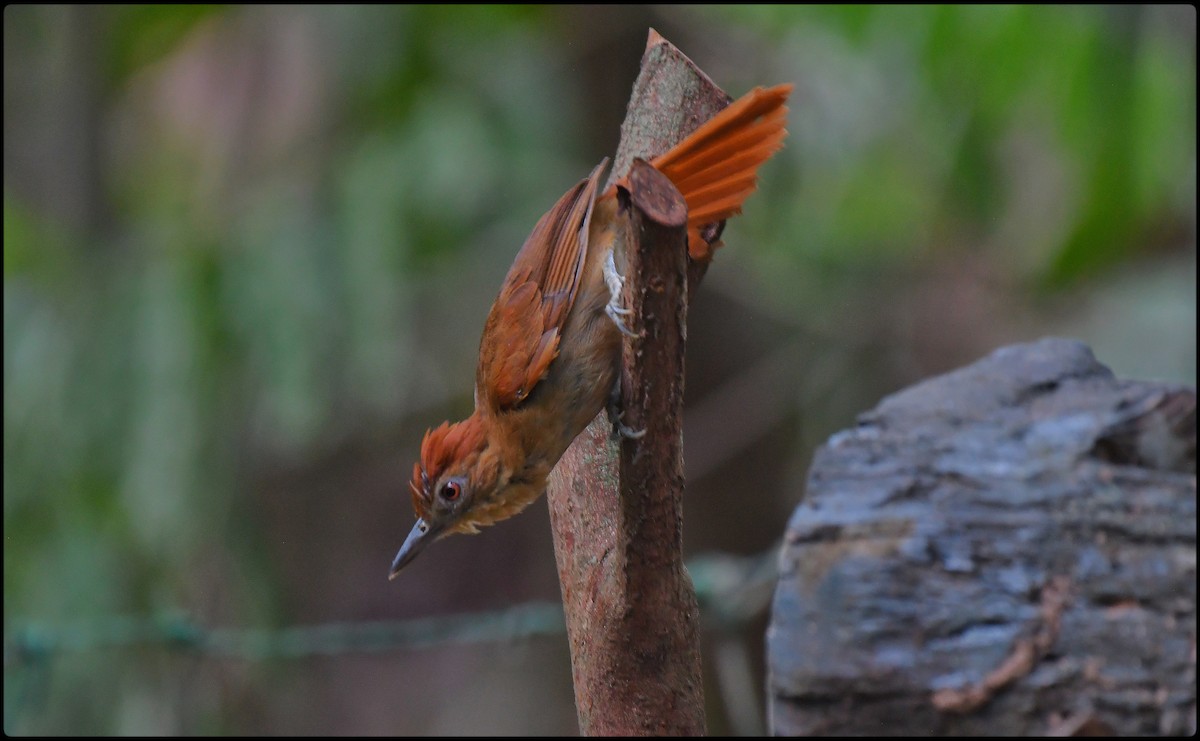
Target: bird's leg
<point x="615" y="283"/>
<point x="614" y="415"/>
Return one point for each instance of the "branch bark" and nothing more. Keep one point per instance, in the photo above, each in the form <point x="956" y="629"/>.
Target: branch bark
<point x="616" y="511"/>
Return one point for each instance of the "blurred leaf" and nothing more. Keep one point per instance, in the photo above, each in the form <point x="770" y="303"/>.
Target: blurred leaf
<point x="142" y="34"/>
<point x="32" y="248"/>
<point x="1104" y="94"/>
<point x="303" y="212"/>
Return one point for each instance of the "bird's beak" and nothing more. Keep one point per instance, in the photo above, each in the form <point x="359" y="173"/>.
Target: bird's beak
<point x="422" y="534"/>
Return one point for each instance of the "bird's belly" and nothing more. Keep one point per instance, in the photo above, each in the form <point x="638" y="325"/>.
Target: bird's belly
<point x="590" y="371"/>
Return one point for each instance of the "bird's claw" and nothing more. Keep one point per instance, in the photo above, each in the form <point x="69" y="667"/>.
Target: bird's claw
<point x="615" y="313"/>
<point x="619" y="428"/>
<point x="628" y="432"/>
<point x="614" y="310"/>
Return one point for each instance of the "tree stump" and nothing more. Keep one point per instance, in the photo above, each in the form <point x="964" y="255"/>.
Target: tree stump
<point x="633" y="623"/>
<point x="1008" y="549"/>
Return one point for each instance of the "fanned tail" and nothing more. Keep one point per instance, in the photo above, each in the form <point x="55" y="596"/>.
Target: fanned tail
<point x="716" y="167"/>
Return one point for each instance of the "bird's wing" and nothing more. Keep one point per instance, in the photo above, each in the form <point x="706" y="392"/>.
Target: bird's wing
<point x="520" y="338"/>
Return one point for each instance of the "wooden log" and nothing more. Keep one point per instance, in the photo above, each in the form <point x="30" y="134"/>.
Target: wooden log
<point x="1008" y="549"/>
<point x="632" y="618"/>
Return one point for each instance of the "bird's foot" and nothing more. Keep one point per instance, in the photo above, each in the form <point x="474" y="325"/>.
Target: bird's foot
<point x="619" y="428"/>
<point x="616" y="284"/>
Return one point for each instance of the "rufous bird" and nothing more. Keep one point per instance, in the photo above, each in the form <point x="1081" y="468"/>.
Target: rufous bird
<point x="550" y="354"/>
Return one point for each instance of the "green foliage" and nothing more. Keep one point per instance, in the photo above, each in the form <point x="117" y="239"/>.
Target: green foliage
<point x="953" y="113"/>
<point x="254" y="297"/>
<point x="300" y="213"/>
<point x="140" y="35"/>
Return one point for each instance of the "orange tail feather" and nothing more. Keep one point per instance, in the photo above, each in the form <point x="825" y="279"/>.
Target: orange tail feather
<point x="716" y="167"/>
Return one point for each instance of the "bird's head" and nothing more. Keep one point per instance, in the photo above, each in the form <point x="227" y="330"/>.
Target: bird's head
<point x="452" y="478"/>
<point x="466" y="479"/>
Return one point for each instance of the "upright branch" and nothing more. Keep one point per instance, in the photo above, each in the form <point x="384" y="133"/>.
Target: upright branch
<point x="616" y="511"/>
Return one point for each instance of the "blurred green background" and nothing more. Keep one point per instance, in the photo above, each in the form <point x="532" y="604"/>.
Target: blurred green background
<point x="248" y="252"/>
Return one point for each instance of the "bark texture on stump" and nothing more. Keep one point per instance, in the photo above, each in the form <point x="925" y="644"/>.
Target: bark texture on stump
<point x="1008" y="549"/>
<point x="616" y="511"/>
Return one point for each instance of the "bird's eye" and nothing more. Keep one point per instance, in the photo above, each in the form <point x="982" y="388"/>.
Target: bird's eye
<point x="451" y="490"/>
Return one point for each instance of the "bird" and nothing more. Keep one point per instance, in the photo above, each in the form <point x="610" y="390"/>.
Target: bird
<point x="549" y="357"/>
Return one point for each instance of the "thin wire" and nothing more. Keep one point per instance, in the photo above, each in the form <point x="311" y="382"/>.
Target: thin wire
<point x="731" y="591"/>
